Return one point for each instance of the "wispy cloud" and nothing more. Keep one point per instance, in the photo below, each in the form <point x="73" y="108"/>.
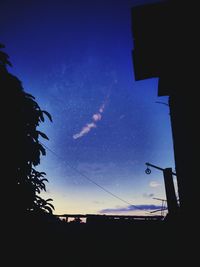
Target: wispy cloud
<point x="86" y="129"/>
<point x="154" y="184"/>
<point x="148" y="195"/>
<point x="95" y="118"/>
<point x="130" y="208"/>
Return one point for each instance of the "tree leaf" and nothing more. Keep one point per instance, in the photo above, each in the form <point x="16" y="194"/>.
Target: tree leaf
<point x="48" y="209"/>
<point x="44" y="179"/>
<point x="29" y="95"/>
<point x="49" y="199"/>
<point x="41" y="148"/>
<point x="41" y="116"/>
<point x="43" y="135"/>
<point x="52" y="206"/>
<point x="48" y="115"/>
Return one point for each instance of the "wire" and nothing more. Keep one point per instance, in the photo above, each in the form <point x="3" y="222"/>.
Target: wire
<point x="159" y="102"/>
<point x="89" y="179"/>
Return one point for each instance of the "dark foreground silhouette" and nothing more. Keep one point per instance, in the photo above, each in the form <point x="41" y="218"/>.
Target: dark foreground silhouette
<point x="112" y="244"/>
<point x="166" y="45"/>
<point x="22" y="148"/>
<point x="31" y="236"/>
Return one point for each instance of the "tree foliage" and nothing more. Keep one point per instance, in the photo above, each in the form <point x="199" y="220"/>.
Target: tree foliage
<point x="22" y="116"/>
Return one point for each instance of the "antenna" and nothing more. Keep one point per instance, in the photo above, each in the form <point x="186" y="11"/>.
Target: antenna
<point x="163" y="207"/>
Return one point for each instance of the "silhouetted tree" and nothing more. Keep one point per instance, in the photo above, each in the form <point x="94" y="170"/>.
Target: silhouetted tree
<point x="21" y="117"/>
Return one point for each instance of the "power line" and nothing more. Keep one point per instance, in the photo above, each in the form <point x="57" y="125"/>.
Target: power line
<point x="89" y="179"/>
<point x="163" y="103"/>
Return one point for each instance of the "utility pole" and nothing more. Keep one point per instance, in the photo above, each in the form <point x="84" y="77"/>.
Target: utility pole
<point x="169" y="188"/>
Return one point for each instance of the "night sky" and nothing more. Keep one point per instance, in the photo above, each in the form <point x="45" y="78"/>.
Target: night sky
<point x="74" y="56"/>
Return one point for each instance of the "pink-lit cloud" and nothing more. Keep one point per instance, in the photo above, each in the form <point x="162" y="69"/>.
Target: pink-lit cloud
<point x="101" y="109"/>
<point x="95" y="118"/>
<point x="84" y="130"/>
<point x="130" y="208"/>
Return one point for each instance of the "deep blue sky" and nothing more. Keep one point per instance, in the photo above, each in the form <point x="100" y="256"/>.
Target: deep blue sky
<point x="75" y="58"/>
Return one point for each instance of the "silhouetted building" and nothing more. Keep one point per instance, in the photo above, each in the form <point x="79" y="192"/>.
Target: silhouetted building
<point x="166" y="46"/>
<point x="99" y="219"/>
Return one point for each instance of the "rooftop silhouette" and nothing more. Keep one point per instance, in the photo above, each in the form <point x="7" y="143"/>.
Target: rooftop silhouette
<point x="165" y="47"/>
